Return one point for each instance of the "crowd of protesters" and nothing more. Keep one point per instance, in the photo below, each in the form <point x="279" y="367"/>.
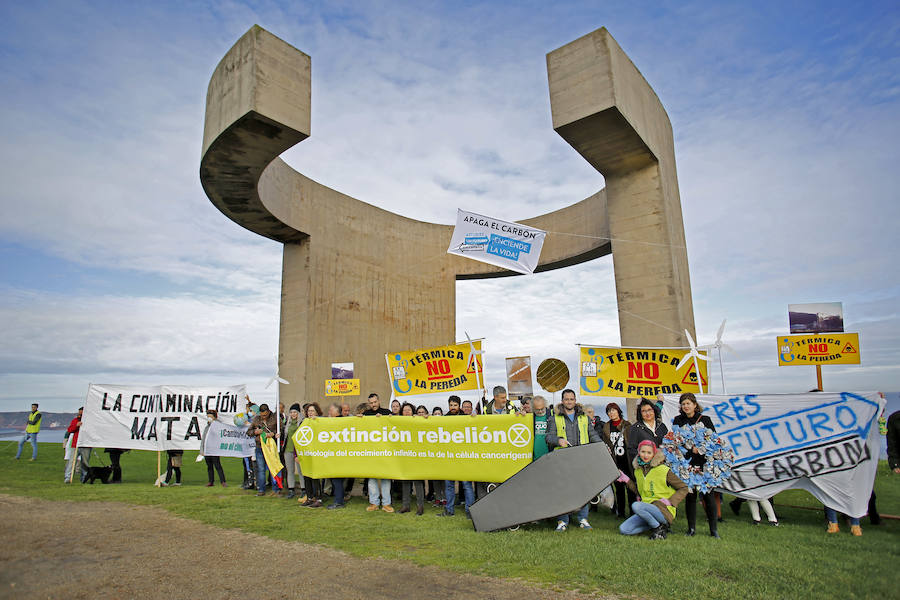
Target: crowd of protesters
<point x="646" y="494"/>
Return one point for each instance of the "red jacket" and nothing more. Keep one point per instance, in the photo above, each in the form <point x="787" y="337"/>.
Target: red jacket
<point x="73" y="429"/>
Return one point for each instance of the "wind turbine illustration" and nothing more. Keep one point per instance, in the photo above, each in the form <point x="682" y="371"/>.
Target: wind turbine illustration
<point x="693" y="354"/>
<point x="719" y="345"/>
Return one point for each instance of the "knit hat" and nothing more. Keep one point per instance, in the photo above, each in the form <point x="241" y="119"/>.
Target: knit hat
<point x="295" y="406"/>
<point x="650" y="443"/>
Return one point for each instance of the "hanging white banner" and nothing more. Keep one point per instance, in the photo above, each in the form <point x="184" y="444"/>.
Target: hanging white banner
<point x="164" y="417"/>
<point x="509" y="245"/>
<point x="224" y="439"/>
<point x="824" y="443"/>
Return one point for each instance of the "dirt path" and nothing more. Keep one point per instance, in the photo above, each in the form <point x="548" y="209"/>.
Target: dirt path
<point x="112" y="550"/>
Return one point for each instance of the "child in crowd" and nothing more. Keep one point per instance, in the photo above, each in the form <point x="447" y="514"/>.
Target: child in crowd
<point x="660" y="491"/>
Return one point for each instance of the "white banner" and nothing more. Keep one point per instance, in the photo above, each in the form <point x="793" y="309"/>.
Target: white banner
<point x="225" y="439"/>
<point x="501" y="243"/>
<point x="824" y="443"/>
<point x="165" y="417"/>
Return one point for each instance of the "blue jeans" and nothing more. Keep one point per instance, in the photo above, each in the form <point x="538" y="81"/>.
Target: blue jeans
<point x="33" y="445"/>
<point x="337" y="483"/>
<point x="260" y="470"/>
<point x="646" y="516"/>
<point x="582" y="514"/>
<point x="378" y="487"/>
<point x="831" y="516"/>
<point x="450" y="492"/>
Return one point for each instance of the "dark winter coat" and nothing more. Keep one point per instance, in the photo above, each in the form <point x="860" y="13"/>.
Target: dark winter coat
<point x="639" y="432"/>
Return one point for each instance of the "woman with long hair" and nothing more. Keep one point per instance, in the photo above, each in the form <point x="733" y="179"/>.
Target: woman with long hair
<point x="691" y="413"/>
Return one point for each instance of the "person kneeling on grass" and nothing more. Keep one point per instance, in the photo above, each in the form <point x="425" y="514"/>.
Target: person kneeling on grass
<point x="660" y="491"/>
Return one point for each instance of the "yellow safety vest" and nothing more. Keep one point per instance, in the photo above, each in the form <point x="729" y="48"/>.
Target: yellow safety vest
<point x="653" y="486"/>
<point x="37" y="426"/>
<point x="582" y="428"/>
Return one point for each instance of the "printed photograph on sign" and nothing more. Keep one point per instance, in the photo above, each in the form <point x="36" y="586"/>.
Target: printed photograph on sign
<point x="342" y="370"/>
<point x="518" y="376"/>
<point x="820" y="317"/>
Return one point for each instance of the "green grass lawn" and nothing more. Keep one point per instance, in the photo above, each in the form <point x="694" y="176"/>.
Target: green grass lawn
<point x="795" y="560"/>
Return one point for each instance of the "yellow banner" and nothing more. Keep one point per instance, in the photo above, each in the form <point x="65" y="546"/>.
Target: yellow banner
<point x="633" y="372"/>
<point x="444" y="370"/>
<point x="818" y="349"/>
<point x="461" y="448"/>
<point x="342" y="387"/>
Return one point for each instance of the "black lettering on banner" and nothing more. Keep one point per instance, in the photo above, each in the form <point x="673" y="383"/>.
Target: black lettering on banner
<point x="137" y="433"/>
<point x="193" y="429"/>
<point x="151" y="435"/>
<point x="169" y="421"/>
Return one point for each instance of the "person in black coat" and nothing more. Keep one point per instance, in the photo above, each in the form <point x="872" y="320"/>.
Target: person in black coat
<point x="648" y="426"/>
<point x="692" y="414"/>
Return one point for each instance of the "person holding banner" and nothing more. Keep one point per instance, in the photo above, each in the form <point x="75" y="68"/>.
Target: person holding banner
<point x="290" y="451"/>
<point x="649" y="426"/>
<point x="213" y="463"/>
<point x="313" y="488"/>
<point x="660" y="491"/>
<point x="453" y="407"/>
<point x="406" y="486"/>
<point x="379" y="489"/>
<point x="78" y="459"/>
<point x="691" y="413"/>
<point x="263" y="423"/>
<point x="571" y="427"/>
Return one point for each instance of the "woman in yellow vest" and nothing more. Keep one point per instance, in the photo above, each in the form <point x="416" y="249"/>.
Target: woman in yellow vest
<point x="660" y="491"/>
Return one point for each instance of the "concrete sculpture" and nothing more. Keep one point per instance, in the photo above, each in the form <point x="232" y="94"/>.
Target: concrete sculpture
<point x="348" y="293"/>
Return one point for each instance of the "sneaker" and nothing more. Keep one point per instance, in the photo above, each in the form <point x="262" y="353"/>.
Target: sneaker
<point x="560" y="526"/>
<point x="31" y="459"/>
<point x="387" y="508"/>
<point x="177" y="483"/>
<point x="210" y="484"/>
<point x="833" y="528"/>
<point x="444" y="513"/>
<point x="774" y="523"/>
<point x="335" y="505"/>
<point x="856" y="530"/>
<point x="260" y="494"/>
<point x="372" y="508"/>
<point x="583" y="524"/>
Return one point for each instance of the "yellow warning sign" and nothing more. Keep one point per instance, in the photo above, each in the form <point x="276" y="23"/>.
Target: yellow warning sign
<point x="342" y="387"/>
<point x="821" y="349"/>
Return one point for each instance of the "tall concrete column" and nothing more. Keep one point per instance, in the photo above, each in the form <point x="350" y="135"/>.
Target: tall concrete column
<point x="359" y="281"/>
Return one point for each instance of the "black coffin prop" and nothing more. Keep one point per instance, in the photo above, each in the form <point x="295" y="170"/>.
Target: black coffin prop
<point x="559" y="482"/>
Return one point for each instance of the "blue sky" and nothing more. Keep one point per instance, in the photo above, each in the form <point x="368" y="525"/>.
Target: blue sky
<point x="115" y="268"/>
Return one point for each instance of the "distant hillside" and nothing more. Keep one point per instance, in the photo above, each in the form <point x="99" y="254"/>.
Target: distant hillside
<point x="17" y="420"/>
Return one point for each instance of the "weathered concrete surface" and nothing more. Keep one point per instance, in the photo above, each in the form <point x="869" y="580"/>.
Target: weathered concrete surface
<point x="359" y="281"/>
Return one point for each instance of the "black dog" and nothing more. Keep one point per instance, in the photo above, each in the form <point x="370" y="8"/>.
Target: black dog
<point x="89" y="474"/>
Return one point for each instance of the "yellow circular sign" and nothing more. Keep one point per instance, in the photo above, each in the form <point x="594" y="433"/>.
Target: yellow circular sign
<point x="552" y="375"/>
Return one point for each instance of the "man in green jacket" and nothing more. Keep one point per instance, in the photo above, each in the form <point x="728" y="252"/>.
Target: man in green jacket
<point x="32" y="427"/>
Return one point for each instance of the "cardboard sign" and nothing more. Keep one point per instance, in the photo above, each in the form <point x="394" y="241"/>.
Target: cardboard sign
<point x="819" y="349"/>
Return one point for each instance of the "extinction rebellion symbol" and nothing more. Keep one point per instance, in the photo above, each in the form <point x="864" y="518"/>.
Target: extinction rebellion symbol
<point x="519" y="435"/>
<point x="304" y="435"/>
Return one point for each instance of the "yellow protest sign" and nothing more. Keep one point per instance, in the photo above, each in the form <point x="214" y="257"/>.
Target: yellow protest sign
<point x="463" y="448"/>
<point x="342" y="387"/>
<point x="445" y="370"/>
<point x="633" y="372"/>
<point x="818" y="349"/>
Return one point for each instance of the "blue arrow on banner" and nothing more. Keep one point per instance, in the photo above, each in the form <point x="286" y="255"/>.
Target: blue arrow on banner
<point x="850" y="415"/>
